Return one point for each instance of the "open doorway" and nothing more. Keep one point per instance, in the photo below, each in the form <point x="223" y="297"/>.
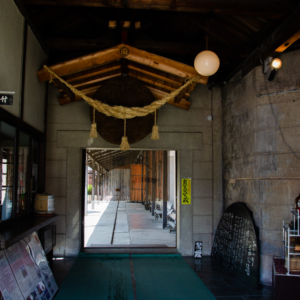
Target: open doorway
<point x="130" y="199"/>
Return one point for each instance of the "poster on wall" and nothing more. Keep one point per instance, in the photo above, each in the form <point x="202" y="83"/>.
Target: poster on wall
<point x="186" y="191"/>
<point x="9" y="289"/>
<point x="31" y="270"/>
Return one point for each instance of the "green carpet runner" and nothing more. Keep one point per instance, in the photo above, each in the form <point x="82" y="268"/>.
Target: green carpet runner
<point x="135" y="276"/>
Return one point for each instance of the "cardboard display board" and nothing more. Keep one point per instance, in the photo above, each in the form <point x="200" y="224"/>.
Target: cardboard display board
<point x="25" y="273"/>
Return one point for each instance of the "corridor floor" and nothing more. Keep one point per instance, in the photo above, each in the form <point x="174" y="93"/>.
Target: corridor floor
<point x="124" y="223"/>
<point x="223" y="284"/>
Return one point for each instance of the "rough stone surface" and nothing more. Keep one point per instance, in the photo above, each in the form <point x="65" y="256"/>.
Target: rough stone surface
<point x="264" y="173"/>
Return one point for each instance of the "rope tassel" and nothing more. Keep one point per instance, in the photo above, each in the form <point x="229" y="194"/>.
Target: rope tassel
<point x="155" y="134"/>
<point x="93" y="133"/>
<point x="124" y="144"/>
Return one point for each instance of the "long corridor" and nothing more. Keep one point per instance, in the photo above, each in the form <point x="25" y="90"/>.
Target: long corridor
<point x="124" y="223"/>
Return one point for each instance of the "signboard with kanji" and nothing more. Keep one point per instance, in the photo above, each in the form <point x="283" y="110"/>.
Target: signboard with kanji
<point x="186" y="191"/>
<point x="6" y="99"/>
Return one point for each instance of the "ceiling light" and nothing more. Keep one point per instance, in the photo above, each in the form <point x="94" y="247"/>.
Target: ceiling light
<point x="276" y="63"/>
<point x="207" y="63"/>
<point x="271" y="66"/>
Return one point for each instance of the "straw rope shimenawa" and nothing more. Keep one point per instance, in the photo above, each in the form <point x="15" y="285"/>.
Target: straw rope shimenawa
<point x="122" y="112"/>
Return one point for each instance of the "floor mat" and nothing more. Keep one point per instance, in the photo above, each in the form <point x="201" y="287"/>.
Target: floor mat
<point x="135" y="276"/>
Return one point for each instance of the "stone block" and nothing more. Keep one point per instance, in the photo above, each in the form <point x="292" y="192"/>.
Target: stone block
<point x="206" y="239"/>
<point x="169" y="115"/>
<point x="280" y="192"/>
<point x="60" y="205"/>
<point x="244" y="123"/>
<point x="202" y="188"/>
<point x="204" y="155"/>
<point x="53" y="95"/>
<point x="266" y="262"/>
<point x="60" y="248"/>
<point x="54" y="153"/>
<point x="186" y="164"/>
<point x="76" y="112"/>
<point x="202" y="224"/>
<point x="73" y="204"/>
<point x="271" y="242"/>
<point x="264" y="118"/>
<point x="60" y="224"/>
<point x="273" y="215"/>
<point x="56" y="187"/>
<point x="217" y="214"/>
<point x="56" y="169"/>
<point x="200" y="97"/>
<point x="202" y="170"/>
<point x="202" y="206"/>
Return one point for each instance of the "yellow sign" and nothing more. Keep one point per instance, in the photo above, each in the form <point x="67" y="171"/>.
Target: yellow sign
<point x="186" y="191"/>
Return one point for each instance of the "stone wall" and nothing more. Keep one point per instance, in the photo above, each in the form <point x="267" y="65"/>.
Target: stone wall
<point x="264" y="173"/>
<point x="188" y="132"/>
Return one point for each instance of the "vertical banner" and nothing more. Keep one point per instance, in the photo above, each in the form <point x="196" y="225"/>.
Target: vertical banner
<point x="186" y="191"/>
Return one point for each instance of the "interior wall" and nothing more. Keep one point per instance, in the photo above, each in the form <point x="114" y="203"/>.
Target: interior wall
<point x="188" y="132"/>
<point x="11" y="53"/>
<point x="264" y="173"/>
<point x="34" y="97"/>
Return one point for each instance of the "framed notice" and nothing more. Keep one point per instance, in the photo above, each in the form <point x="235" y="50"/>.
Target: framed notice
<point x="186" y="191"/>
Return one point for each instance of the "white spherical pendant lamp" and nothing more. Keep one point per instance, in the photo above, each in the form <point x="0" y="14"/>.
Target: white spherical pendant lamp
<point x="207" y="63"/>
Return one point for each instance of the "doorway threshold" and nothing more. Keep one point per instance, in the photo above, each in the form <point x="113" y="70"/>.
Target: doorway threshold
<point x="149" y="249"/>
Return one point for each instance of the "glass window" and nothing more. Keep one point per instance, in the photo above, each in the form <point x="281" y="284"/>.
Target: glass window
<point x="7" y="140"/>
<point x="23" y="174"/>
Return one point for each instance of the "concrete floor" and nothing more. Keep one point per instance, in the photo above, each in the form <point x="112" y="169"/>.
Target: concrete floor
<point x="134" y="226"/>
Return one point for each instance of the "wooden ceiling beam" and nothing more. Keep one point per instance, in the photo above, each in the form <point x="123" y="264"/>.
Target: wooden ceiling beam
<point x="158" y="94"/>
<point x="94" y="79"/>
<point x="113" y="54"/>
<point x="92" y="73"/>
<point x="268" y="10"/>
<point x="163" y="64"/>
<point x="82" y="63"/>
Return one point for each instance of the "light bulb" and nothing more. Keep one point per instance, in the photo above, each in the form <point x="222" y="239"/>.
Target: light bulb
<point x="207" y="63"/>
<point x="276" y="63"/>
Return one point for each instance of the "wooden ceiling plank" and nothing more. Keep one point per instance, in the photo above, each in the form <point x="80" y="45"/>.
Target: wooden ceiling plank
<point x="288" y="42"/>
<point x="92" y="74"/>
<point x="158" y="94"/>
<point x="82" y="63"/>
<point x="201" y="6"/>
<point x="97" y="80"/>
<point x="163" y="64"/>
<point x="154" y="75"/>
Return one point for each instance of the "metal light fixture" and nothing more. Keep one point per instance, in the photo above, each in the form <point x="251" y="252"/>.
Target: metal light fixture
<point x="271" y="66"/>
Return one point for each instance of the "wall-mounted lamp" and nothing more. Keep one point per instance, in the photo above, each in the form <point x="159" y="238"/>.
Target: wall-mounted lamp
<point x="271" y="66"/>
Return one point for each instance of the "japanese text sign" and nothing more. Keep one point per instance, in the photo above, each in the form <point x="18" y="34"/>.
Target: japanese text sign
<point x="186" y="187"/>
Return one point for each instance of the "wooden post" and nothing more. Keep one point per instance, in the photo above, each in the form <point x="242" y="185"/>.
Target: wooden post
<point x="86" y="187"/>
<point x="98" y="182"/>
<point x="165" y="187"/>
<point x="93" y="185"/>
<point x="147" y="178"/>
<point x="154" y="180"/>
<point x="142" y="191"/>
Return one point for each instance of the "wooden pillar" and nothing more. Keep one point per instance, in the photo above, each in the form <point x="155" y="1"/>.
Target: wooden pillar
<point x="93" y="185"/>
<point x="147" y="178"/>
<point x="98" y="182"/>
<point x="86" y="187"/>
<point x="165" y="187"/>
<point x="154" y="180"/>
<point x="142" y="191"/>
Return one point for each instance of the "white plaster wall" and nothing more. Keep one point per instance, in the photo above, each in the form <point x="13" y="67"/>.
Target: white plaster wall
<point x="188" y="132"/>
<point x="34" y="100"/>
<point x="11" y="49"/>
